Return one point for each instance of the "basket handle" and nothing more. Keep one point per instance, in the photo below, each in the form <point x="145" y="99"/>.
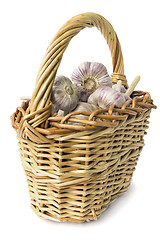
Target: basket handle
<point x="51" y="61"/>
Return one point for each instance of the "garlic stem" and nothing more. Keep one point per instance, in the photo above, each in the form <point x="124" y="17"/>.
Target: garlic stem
<point x="119" y="85"/>
<point x="133" y="85"/>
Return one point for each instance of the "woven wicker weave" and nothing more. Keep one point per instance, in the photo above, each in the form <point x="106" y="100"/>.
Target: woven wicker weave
<point x="75" y="171"/>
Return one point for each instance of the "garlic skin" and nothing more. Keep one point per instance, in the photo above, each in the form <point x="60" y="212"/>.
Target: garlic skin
<point x="122" y="90"/>
<point x="105" y="96"/>
<point x="127" y="98"/>
<point x="88" y="76"/>
<point x="54" y="109"/>
<point x="60" y="113"/>
<point x="65" y="95"/>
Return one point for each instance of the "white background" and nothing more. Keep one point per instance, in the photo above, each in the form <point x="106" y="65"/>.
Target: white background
<point x="26" y="28"/>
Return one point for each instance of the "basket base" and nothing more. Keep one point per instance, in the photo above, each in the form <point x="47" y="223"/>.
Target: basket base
<point x="93" y="215"/>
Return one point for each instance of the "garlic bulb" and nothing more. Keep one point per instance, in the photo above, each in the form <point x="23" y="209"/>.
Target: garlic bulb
<point x="88" y="77"/>
<point x="81" y="107"/>
<point x="105" y="96"/>
<point x="65" y="95"/>
<point x="84" y="107"/>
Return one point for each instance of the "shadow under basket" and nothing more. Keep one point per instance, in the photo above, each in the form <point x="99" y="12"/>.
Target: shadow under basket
<point x="75" y="171"/>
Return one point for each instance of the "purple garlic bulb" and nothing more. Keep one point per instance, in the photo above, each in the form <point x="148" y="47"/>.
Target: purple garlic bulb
<point x="65" y="95"/>
<point x="105" y="96"/>
<point x="88" y="76"/>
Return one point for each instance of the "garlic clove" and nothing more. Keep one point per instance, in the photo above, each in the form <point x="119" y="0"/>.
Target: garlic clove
<point x="88" y="76"/>
<point x="65" y="95"/>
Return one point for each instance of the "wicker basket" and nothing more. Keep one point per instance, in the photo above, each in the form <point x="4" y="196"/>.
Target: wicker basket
<point x="75" y="171"/>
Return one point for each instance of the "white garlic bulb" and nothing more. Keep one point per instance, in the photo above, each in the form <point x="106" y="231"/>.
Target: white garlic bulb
<point x="84" y="107"/>
<point x="88" y="76"/>
<point x="65" y="95"/>
<point x="81" y="107"/>
<point x="105" y="96"/>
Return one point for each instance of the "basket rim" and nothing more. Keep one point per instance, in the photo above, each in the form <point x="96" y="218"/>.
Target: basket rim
<point x="141" y="102"/>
